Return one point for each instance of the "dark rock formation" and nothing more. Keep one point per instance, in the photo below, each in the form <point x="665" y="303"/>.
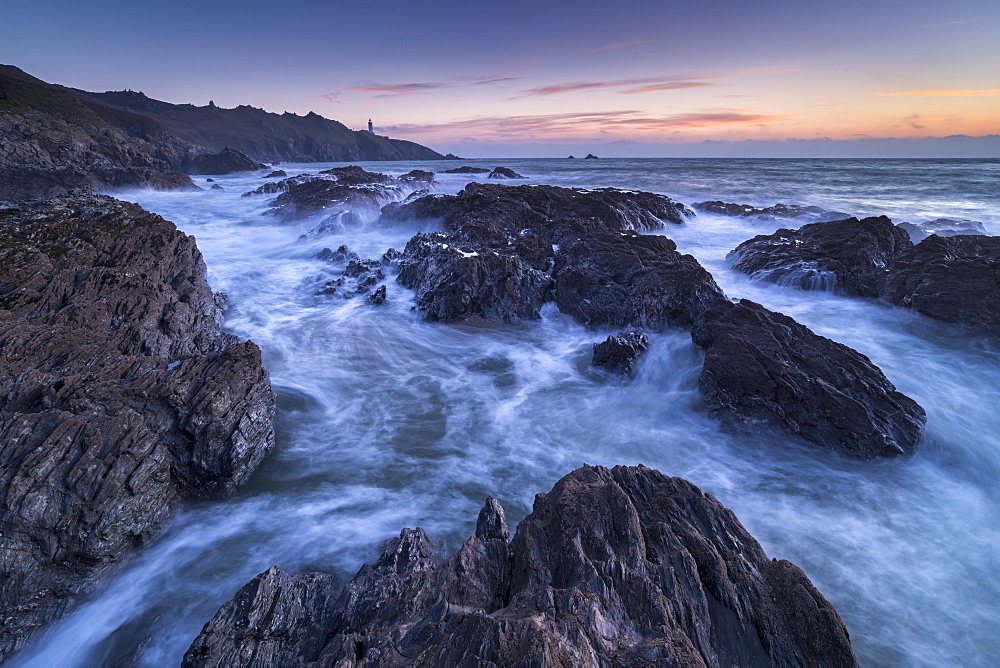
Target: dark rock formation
<point x="763" y="367"/>
<point x="571" y="157"/>
<point x="120" y="396"/>
<point x="52" y="142"/>
<point x="619" y="352"/>
<point x="266" y="136"/>
<point x="624" y="279"/>
<point x="378" y="297"/>
<point x="342" y="255"/>
<point x="216" y="186"/>
<point x="455" y="282"/>
<point x="504" y="173"/>
<point x="943" y="227"/>
<point x="418" y="176"/>
<point x="276" y="174"/>
<point x="591" y="156"/>
<point x="341" y="190"/>
<point x="391" y="258"/>
<point x="226" y="161"/>
<point x="954" y="279"/>
<point x="467" y="170"/>
<point x="850" y="257"/>
<point x="771" y="213"/>
<point x="358" y="276"/>
<point x="613" y="567"/>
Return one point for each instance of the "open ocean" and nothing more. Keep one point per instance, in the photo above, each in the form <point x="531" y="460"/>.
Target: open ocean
<point x="385" y="421"/>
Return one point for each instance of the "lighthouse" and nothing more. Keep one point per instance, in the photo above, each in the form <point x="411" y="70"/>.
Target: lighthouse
<point x="371" y="128"/>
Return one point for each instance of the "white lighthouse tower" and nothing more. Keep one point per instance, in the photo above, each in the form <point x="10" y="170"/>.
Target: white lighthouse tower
<point x="371" y="128"/>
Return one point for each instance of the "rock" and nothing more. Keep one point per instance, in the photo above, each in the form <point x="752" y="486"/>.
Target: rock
<point x="120" y="397"/>
<point x="378" y="297"/>
<point x="624" y="279"/>
<point x="591" y="156"/>
<point x="771" y="213"/>
<point x="276" y="173"/>
<point x="619" y="352"/>
<point x="456" y="282"/>
<point x="418" y="176"/>
<point x="216" y="186"/>
<point x="343" y="188"/>
<point x="504" y="173"/>
<point x="225" y="161"/>
<point x="571" y="158"/>
<point x="849" y="257"/>
<point x="467" y="170"/>
<point x="335" y="223"/>
<point x="353" y="175"/>
<point x="367" y="273"/>
<point x="342" y="255"/>
<point x="209" y="180"/>
<point x="391" y="258"/>
<point x="954" y="279"/>
<point x="943" y="227"/>
<point x="763" y="367"/>
<point x="613" y="567"/>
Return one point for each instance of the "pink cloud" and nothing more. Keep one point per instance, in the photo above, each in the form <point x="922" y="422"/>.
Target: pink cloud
<point x="618" y="45"/>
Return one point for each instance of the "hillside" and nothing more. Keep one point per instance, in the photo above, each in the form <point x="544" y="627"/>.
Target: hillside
<point x="264" y="135"/>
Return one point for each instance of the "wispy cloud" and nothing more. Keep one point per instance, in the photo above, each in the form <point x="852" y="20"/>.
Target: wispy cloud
<point x="332" y="97"/>
<point x="946" y="92"/>
<point x="645" y="85"/>
<point x="545" y="127"/>
<point x="423" y="87"/>
<point x="618" y="45"/>
<point x="952" y="23"/>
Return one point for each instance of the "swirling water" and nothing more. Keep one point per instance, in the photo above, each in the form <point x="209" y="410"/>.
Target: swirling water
<point x="387" y="422"/>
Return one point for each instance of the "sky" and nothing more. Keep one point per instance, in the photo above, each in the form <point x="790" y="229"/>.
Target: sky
<point x="513" y="78"/>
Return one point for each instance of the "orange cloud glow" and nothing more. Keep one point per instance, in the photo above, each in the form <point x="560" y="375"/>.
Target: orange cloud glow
<point x="947" y="92"/>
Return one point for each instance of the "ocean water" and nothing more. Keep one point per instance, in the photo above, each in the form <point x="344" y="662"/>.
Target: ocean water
<point x="385" y="421"/>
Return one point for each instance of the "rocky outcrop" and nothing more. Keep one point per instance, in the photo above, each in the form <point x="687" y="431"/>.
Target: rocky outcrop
<point x="624" y="279"/>
<point x="455" y="282"/>
<point x="612" y="567"/>
<point x="226" y="161"/>
<point x="619" y="352"/>
<point x="277" y="173"/>
<point x="763" y="367"/>
<point x="467" y="170"/>
<point x="590" y="156"/>
<point x="339" y="190"/>
<point x="504" y="173"/>
<point x="954" y="279"/>
<point x="771" y="213"/>
<point x="943" y="227"/>
<point x="120" y="397"/>
<point x="850" y="257"/>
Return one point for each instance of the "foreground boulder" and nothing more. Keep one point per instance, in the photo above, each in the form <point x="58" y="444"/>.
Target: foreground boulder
<point x="771" y="213"/>
<point x="763" y="367"/>
<point x="849" y="257"/>
<point x="120" y="396"/>
<point x="954" y="279"/>
<point x="622" y="566"/>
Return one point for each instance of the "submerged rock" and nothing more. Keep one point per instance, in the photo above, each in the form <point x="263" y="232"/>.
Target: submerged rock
<point x="850" y="257"/>
<point x="954" y="279"/>
<point x="276" y="174"/>
<point x="467" y="170"/>
<point x="771" y="213"/>
<point x="943" y="227"/>
<point x="504" y="173"/>
<point x="622" y="566"/>
<point x="456" y="282"/>
<point x="763" y="367"/>
<point x="120" y="397"/>
<point x="619" y="352"/>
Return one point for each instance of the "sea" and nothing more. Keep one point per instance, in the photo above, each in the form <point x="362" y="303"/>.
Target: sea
<point x="385" y="421"/>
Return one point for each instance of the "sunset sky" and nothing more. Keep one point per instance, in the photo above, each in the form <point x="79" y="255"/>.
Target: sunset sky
<point x="517" y="78"/>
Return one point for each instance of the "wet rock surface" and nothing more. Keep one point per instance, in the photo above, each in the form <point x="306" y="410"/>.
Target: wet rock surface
<point x="619" y="352"/>
<point x="622" y="566"/>
<point x="954" y="279"/>
<point x="850" y="257"/>
<point x="504" y="173"/>
<point x="771" y="213"/>
<point x="467" y="170"/>
<point x="226" y="161"/>
<point x="341" y="189"/>
<point x="763" y="367"/>
<point x="120" y="397"/>
<point x="943" y="227"/>
<point x="277" y="173"/>
<point x="358" y="276"/>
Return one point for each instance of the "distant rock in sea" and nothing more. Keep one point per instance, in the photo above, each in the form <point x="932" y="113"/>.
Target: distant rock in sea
<point x="467" y="170"/>
<point x="504" y="173"/>
<point x="613" y="567"/>
<point x="772" y="213"/>
<point x="591" y="156"/>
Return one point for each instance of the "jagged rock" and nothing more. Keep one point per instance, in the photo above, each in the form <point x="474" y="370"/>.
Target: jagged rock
<point x="391" y="258"/>
<point x="624" y="279"/>
<point x="335" y="223"/>
<point x="353" y="175"/>
<point x="367" y="273"/>
<point x="571" y="157"/>
<point x="850" y="257"/>
<point x="619" y="352"/>
<point x="771" y="213"/>
<point x="763" y="367"/>
<point x="120" y="396"/>
<point x="418" y="176"/>
<point x="343" y="188"/>
<point x="216" y="186"/>
<point x="943" y="227"/>
<point x="504" y="173"/>
<point x="954" y="279"/>
<point x="467" y="170"/>
<point x="225" y="161"/>
<point x="612" y="567"/>
<point x="276" y="174"/>
<point x="378" y="297"/>
<point x="455" y="282"/>
<point x="342" y="255"/>
<point x="591" y="156"/>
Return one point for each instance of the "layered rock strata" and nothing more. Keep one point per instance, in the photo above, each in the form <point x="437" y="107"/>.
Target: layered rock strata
<point x="622" y="566"/>
<point x="120" y="397"/>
